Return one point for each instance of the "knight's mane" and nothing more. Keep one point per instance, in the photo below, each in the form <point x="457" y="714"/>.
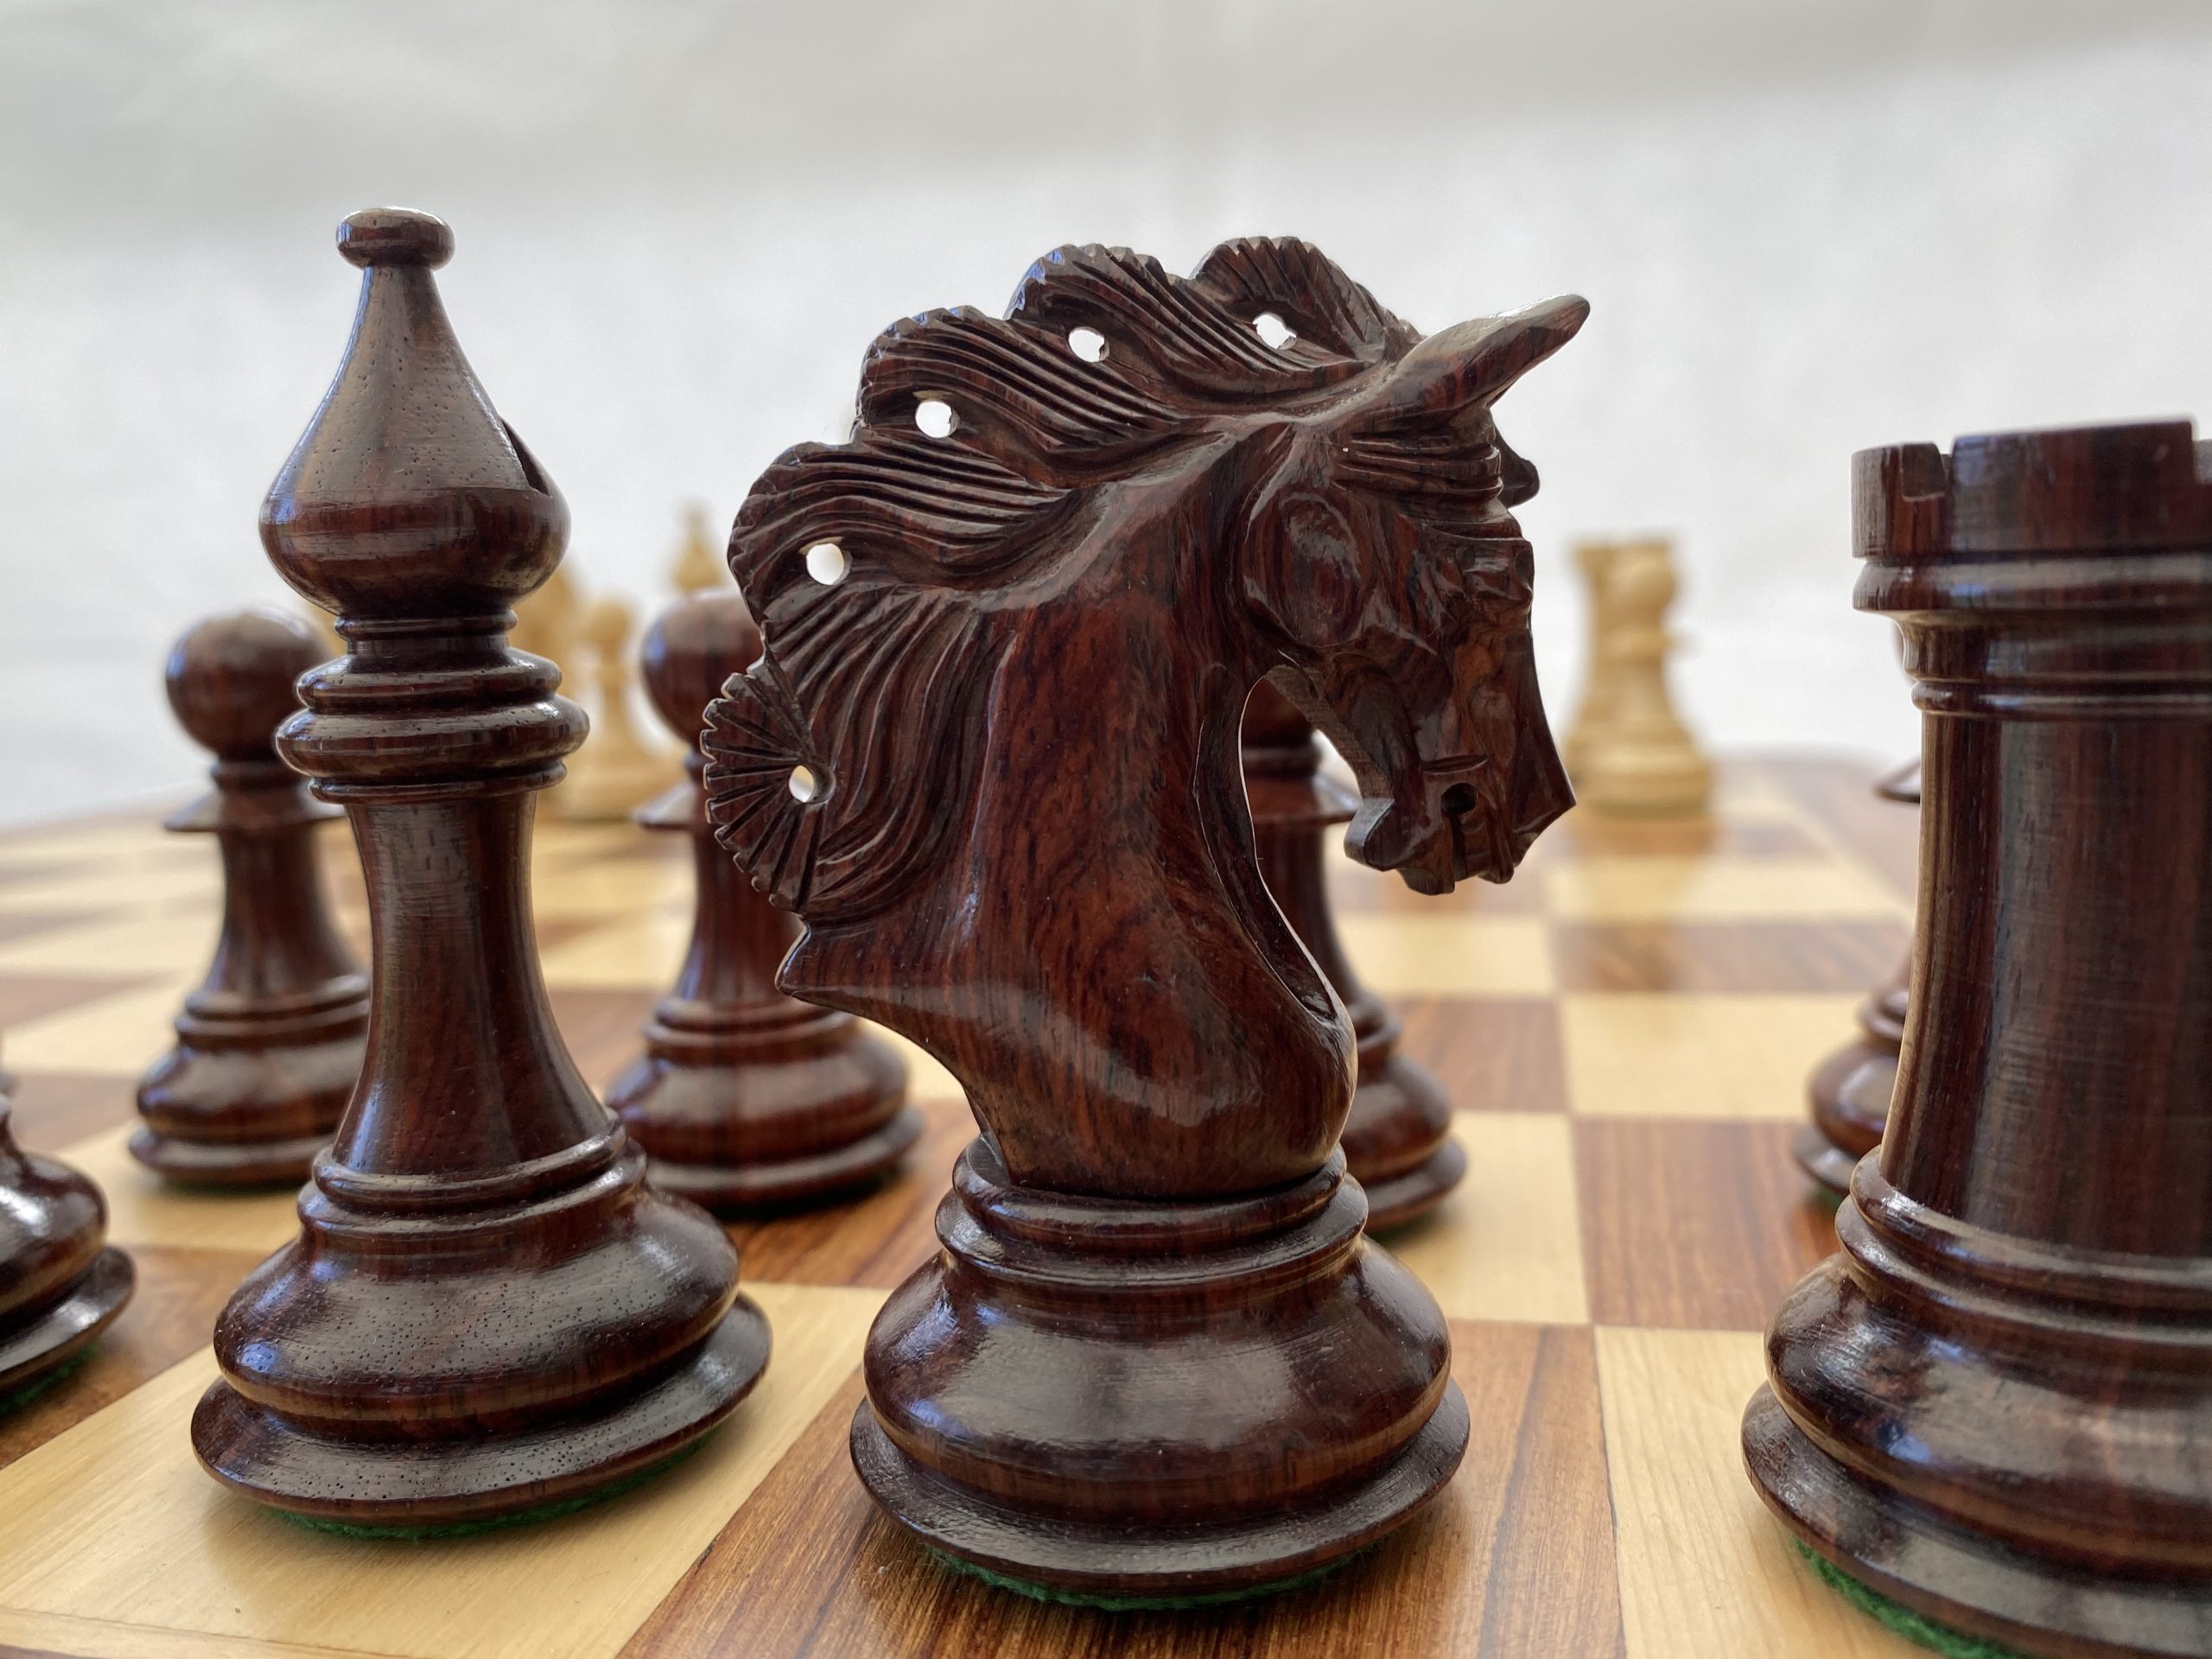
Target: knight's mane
<point x="868" y="683"/>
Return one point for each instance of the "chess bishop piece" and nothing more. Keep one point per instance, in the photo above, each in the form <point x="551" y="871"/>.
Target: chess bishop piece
<point x="1850" y="1090"/>
<point x="62" y="1283"/>
<point x="270" y="1046"/>
<point x="1397" y="1137"/>
<point x="1995" y="1404"/>
<point x="990" y="756"/>
<point x="487" y="1311"/>
<point x="618" y="771"/>
<point x="1639" y="758"/>
<point x="745" y="1098"/>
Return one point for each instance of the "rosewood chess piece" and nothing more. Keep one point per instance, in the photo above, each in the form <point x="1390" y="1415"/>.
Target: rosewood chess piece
<point x="1995" y="1405"/>
<point x="990" y="756"/>
<point x="1639" y="758"/>
<point x="270" y="1046"/>
<point x="745" y="1098"/>
<point x="62" y="1283"/>
<point x="1850" y="1090"/>
<point x="1397" y="1137"/>
<point x="487" y="1311"/>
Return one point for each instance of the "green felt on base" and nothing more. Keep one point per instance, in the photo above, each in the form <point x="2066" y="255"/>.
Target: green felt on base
<point x="1896" y="1616"/>
<point x="1112" y="1603"/>
<point x="31" y="1391"/>
<point x="495" y="1522"/>
<point x="1831" y="1201"/>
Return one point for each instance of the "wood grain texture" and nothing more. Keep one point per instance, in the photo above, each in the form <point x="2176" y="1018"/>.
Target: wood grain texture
<point x="269" y="1046"/>
<point x="745" y="1098"/>
<point x="486" y="1310"/>
<point x="1994" y="1404"/>
<point x="1503" y="1053"/>
<point x="1725" y="957"/>
<point x="990" y="756"/>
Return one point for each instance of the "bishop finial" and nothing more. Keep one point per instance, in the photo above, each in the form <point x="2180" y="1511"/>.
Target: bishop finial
<point x="407" y="496"/>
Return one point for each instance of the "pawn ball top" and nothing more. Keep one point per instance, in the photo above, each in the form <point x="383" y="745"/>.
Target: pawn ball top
<point x="692" y="647"/>
<point x="231" y="679"/>
<point x="395" y="236"/>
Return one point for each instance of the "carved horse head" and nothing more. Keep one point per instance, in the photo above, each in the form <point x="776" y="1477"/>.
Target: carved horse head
<point x="1346" y="490"/>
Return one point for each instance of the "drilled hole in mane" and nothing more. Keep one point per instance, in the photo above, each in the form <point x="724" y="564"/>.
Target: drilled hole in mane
<point x="935" y="417"/>
<point x="1273" y="330"/>
<point x="805" y="784"/>
<point x="826" y="563"/>
<point x="1459" y="800"/>
<point x="1088" y="344"/>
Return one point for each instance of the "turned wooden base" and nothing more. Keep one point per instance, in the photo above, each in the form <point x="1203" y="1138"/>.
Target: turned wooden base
<point x="796" y="1106"/>
<point x="34" y="1346"/>
<point x="249" y="1096"/>
<point x="1158" y="1400"/>
<point x="1849" y="1093"/>
<point x="1971" y="1583"/>
<point x="365" y="1482"/>
<point x="1955" y="1416"/>
<point x="1397" y="1139"/>
<point x="1163" y="1560"/>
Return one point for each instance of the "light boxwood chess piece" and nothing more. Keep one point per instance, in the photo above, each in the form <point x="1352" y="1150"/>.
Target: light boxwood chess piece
<point x="1639" y="759"/>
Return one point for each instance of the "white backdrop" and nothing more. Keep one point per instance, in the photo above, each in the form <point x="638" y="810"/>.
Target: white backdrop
<point x="1805" y="227"/>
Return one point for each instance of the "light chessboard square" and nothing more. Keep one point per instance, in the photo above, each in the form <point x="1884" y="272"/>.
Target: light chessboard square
<point x="1504" y="1245"/>
<point x="1668" y="1054"/>
<point x="143" y="1209"/>
<point x="1451" y="955"/>
<point x="1691" y="889"/>
<point x="117" y="1036"/>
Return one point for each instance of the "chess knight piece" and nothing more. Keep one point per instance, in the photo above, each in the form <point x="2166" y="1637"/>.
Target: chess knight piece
<point x="990" y="756"/>
<point x="270" y="1046"/>
<point x="62" y="1283"/>
<point x="1995" y="1405"/>
<point x="745" y="1098"/>
<point x="1638" y="756"/>
<point x="618" y="771"/>
<point x="1850" y="1090"/>
<point x="1397" y="1137"/>
<point x="487" y="1311"/>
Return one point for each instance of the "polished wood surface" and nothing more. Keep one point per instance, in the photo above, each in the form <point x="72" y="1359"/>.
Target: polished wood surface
<point x="1850" y="1089"/>
<point x="745" y="1097"/>
<point x="61" y="1284"/>
<point x="1397" y="1137"/>
<point x="486" y="1309"/>
<point x="1606" y="1269"/>
<point x="1995" y="1405"/>
<point x="270" y="1045"/>
<point x="990" y="756"/>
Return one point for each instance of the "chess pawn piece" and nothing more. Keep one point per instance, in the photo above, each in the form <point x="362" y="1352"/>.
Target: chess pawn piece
<point x="1994" y="1405"/>
<point x="1640" y="758"/>
<point x="1601" y="676"/>
<point x="1397" y="1139"/>
<point x="699" y="569"/>
<point x="487" y="1311"/>
<point x="745" y="1098"/>
<point x="617" y="772"/>
<point x="990" y="756"/>
<point x="1850" y="1090"/>
<point x="61" y="1284"/>
<point x="270" y="1046"/>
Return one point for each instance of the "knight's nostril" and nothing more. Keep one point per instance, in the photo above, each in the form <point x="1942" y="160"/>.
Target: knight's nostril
<point x="1459" y="800"/>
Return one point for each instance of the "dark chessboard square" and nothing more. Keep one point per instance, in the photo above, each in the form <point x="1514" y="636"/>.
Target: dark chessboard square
<point x="1726" y="957"/>
<point x="1494" y="1054"/>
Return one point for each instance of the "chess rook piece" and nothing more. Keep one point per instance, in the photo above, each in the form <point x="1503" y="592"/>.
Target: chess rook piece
<point x="1397" y="1137"/>
<point x="1639" y="758"/>
<point x="617" y="772"/>
<point x="270" y="1046"/>
<point x="1850" y="1090"/>
<point x="1600" y="675"/>
<point x="1995" y="1405"/>
<point x="487" y="1311"/>
<point x="744" y="1098"/>
<point x="990" y="756"/>
<point x="698" y="567"/>
<point x="61" y="1284"/>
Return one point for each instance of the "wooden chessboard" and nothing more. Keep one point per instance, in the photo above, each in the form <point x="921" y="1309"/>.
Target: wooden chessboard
<point x="1626" y="1027"/>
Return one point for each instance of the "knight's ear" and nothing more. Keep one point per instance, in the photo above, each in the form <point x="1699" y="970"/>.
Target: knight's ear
<point x="1471" y="362"/>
